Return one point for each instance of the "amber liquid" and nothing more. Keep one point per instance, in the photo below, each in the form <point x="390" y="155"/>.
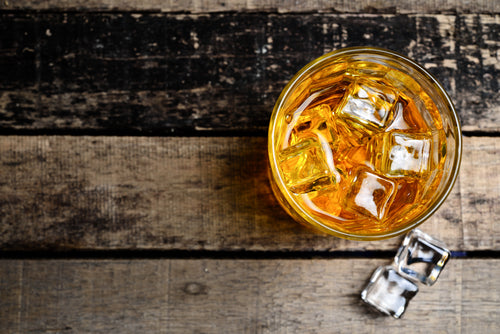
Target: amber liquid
<point x="361" y="147"/>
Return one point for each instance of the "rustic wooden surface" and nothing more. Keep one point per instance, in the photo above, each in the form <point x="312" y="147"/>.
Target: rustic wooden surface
<point x="83" y="72"/>
<point x="133" y="187"/>
<point x="282" y="6"/>
<point x="235" y="296"/>
<point x="195" y="193"/>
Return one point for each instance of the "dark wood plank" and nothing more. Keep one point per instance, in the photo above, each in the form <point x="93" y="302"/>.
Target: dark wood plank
<point x="239" y="296"/>
<point x="284" y="6"/>
<point x="127" y="73"/>
<point x="194" y="193"/>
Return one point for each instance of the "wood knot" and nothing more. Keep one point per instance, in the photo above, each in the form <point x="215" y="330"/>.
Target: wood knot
<point x="193" y="288"/>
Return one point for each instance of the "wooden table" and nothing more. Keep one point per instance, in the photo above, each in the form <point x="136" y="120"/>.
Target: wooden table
<point x="133" y="187"/>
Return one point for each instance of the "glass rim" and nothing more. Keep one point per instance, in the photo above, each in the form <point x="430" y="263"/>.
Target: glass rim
<point x="449" y="182"/>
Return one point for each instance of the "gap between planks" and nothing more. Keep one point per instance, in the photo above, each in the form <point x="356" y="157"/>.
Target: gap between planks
<point x="286" y="6"/>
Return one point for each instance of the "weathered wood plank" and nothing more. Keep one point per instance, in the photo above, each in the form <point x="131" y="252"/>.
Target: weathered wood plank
<point x="161" y="73"/>
<point x="194" y="193"/>
<point x="11" y="281"/>
<point x="284" y="6"/>
<point x="480" y="166"/>
<point x="238" y="296"/>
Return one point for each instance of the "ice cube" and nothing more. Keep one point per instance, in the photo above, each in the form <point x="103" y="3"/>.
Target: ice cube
<point x="402" y="154"/>
<point x="330" y="71"/>
<point x="407" y="197"/>
<point x="311" y="121"/>
<point x="326" y="91"/>
<point x="307" y="166"/>
<point x="371" y="194"/>
<point x="428" y="110"/>
<point x="368" y="104"/>
<point x="407" y="116"/>
<point x="421" y="257"/>
<point x="366" y="69"/>
<point x="329" y="201"/>
<point x="389" y="292"/>
<point x="328" y="205"/>
<point x="402" y="82"/>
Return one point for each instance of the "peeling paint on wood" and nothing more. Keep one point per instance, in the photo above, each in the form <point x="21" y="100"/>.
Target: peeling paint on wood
<point x="159" y="73"/>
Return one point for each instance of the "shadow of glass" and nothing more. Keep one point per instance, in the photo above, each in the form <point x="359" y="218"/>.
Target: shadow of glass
<point x="253" y="215"/>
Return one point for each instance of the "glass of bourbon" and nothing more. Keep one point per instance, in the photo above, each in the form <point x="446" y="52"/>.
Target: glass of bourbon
<point x="364" y="144"/>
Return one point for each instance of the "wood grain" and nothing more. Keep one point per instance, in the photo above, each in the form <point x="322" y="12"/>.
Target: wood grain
<point x="237" y="296"/>
<point x="283" y="6"/>
<point x="143" y="73"/>
<point x="189" y="193"/>
<point x="479" y="169"/>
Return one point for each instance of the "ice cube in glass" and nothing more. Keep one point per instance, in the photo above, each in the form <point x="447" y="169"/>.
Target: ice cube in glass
<point x="368" y="104"/>
<point x="305" y="166"/>
<point x="407" y="116"/>
<point x="399" y="154"/>
<point x="421" y="257"/>
<point x="371" y="194"/>
<point x="313" y="122"/>
<point x="389" y="292"/>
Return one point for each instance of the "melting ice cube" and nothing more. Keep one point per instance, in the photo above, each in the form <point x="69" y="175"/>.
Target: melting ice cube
<point x="421" y="257"/>
<point x="389" y="292"/>
<point x="407" y="196"/>
<point x="371" y="194"/>
<point x="364" y="69"/>
<point x="406" y="115"/>
<point x="368" y="104"/>
<point x="311" y="121"/>
<point x="306" y="166"/>
<point x="402" y="154"/>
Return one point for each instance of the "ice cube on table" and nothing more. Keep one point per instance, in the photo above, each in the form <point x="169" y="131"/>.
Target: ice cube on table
<point x="389" y="292"/>
<point x="306" y="166"/>
<point x="371" y="194"/>
<point x="368" y="104"/>
<point x="399" y="154"/>
<point x="421" y="257"/>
